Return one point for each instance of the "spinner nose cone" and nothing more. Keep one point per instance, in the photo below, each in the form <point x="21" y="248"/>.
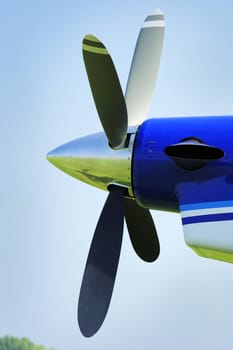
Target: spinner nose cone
<point x="56" y="156"/>
<point x="62" y="156"/>
<point x="91" y="160"/>
<point x="50" y="155"/>
<point x="77" y="156"/>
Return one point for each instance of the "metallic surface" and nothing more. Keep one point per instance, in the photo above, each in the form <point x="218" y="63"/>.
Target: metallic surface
<point x="91" y="160"/>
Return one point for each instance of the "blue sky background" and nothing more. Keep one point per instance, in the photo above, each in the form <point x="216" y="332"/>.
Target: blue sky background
<point x="47" y="218"/>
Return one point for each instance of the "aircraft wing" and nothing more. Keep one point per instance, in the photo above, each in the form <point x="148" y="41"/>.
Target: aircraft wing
<point x="207" y="216"/>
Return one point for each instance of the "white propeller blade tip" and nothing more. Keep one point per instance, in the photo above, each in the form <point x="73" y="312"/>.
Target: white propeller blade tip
<point x="154" y="19"/>
<point x="156" y="12"/>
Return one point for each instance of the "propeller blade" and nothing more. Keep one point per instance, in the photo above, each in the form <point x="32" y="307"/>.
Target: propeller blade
<point x="106" y="90"/>
<point x="144" y="68"/>
<point x="101" y="267"/>
<point x="142" y="231"/>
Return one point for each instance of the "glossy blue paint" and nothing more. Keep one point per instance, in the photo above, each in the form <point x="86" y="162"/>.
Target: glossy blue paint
<point x="159" y="183"/>
<point x="206" y="205"/>
<point x="207" y="218"/>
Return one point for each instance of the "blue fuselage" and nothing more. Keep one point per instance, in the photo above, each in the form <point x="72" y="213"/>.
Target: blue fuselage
<point x="155" y="176"/>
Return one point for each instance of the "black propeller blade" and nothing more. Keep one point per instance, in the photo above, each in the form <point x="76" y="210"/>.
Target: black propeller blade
<point x="142" y="231"/>
<point x="102" y="262"/>
<point x="106" y="90"/>
<point x="101" y="267"/>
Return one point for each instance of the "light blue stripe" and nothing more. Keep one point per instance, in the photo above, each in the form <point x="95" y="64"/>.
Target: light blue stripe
<point x="206" y="205"/>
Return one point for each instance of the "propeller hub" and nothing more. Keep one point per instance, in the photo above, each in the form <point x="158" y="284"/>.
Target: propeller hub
<point x="91" y="160"/>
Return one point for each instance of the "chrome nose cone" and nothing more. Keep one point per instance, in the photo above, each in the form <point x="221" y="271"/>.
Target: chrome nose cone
<point x="82" y="158"/>
<point x="57" y="157"/>
<point x="69" y="157"/>
<point x="91" y="160"/>
<point x="76" y="154"/>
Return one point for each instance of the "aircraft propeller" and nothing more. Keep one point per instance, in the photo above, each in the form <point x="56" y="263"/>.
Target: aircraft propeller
<point x="102" y="262"/>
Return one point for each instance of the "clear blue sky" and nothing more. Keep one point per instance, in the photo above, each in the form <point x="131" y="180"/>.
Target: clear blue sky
<point x="48" y="219"/>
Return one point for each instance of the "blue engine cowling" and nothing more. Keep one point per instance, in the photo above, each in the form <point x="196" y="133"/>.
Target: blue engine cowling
<point x="155" y="175"/>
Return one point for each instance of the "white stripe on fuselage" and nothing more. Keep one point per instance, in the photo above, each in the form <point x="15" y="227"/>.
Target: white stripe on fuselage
<point x="208" y="211"/>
